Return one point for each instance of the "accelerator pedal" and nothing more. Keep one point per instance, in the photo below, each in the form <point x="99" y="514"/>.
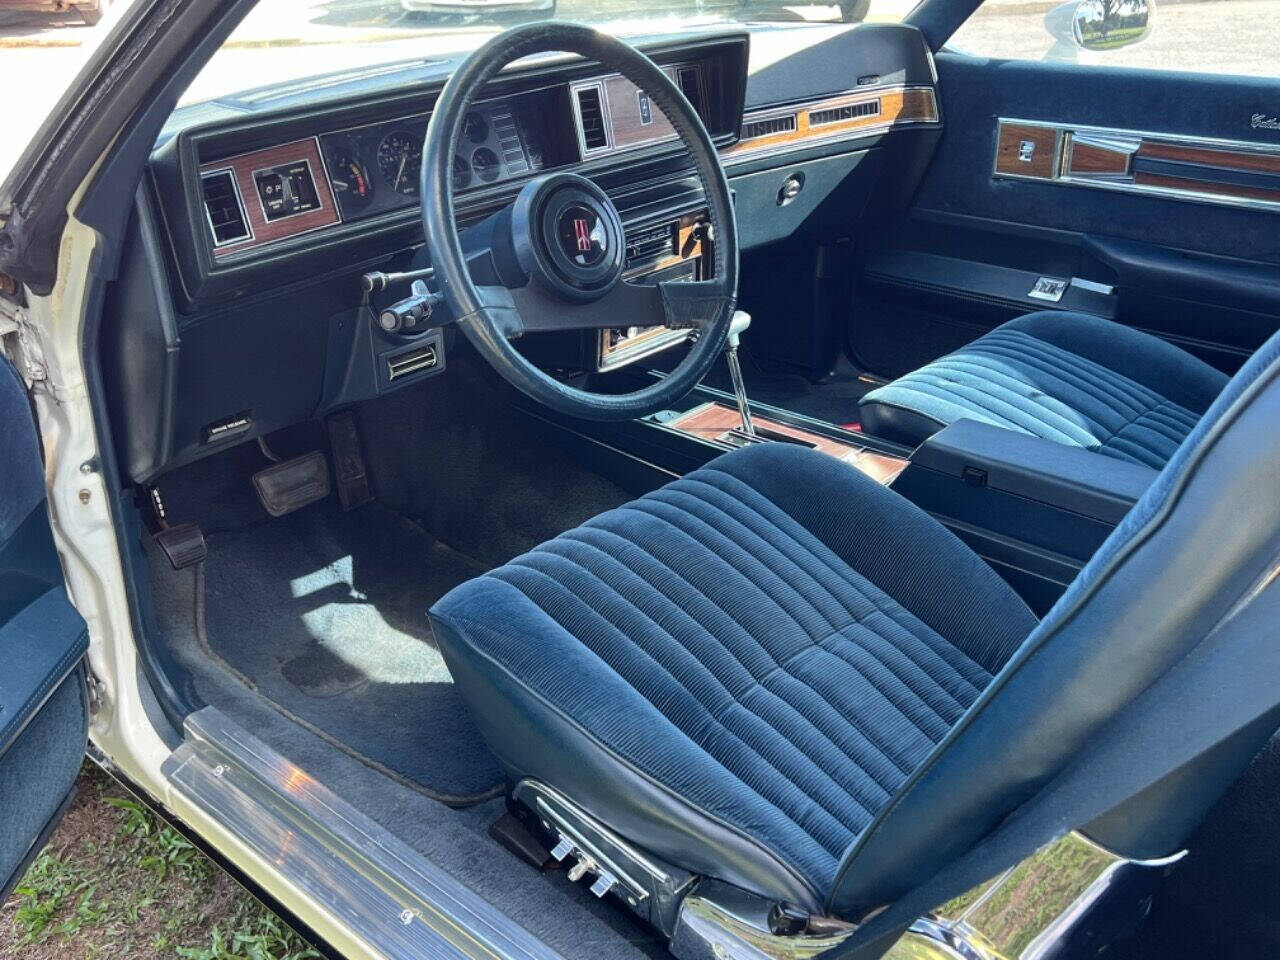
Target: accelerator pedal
<point x="293" y="484"/>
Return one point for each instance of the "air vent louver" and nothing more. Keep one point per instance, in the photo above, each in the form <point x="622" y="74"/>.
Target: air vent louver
<point x="591" y="112"/>
<point x="689" y="81"/>
<point x="755" y="129"/>
<point x="222" y="203"/>
<point x="852" y="111"/>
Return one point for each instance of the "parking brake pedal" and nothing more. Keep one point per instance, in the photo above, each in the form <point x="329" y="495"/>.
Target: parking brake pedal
<point x="292" y="484"/>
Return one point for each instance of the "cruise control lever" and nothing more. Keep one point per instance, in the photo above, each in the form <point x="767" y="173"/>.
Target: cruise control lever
<point x="411" y="314"/>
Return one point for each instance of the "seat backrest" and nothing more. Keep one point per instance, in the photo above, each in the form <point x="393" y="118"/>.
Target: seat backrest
<point x="1199" y="539"/>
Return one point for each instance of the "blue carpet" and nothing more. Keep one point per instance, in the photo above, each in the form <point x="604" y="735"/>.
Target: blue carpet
<point x="323" y="613"/>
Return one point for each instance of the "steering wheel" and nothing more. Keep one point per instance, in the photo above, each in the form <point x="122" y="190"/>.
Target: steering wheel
<point x="553" y="259"/>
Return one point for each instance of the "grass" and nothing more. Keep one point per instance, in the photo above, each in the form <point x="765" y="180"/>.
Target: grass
<point x="116" y="882"/>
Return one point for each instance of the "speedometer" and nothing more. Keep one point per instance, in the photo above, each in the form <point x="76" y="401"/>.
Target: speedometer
<point x="400" y="161"/>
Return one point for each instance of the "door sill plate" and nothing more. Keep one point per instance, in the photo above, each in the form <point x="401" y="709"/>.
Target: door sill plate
<point x="387" y="894"/>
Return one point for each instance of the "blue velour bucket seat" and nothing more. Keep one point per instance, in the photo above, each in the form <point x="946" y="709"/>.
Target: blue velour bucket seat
<point x="780" y="674"/>
<point x="1068" y="377"/>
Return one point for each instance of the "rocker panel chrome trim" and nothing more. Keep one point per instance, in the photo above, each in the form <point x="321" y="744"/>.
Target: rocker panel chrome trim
<point x="389" y="895"/>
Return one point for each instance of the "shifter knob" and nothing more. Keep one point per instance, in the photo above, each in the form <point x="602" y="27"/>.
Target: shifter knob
<point x="737" y="327"/>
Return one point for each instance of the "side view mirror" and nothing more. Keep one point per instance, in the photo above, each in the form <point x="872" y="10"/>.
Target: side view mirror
<point x="1098" y="25"/>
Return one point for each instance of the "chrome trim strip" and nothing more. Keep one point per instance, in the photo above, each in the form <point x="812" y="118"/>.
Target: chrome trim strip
<point x="1066" y="132"/>
<point x="244" y="217"/>
<point x="597" y="84"/>
<point x="387" y="894"/>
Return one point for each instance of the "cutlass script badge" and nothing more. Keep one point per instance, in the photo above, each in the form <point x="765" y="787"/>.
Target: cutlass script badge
<point x="1262" y="122"/>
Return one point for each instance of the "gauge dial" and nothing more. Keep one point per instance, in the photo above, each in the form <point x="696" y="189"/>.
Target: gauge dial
<point x="486" y="164"/>
<point x="461" y="172"/>
<point x="475" y="128"/>
<point x="350" y="181"/>
<point x="400" y="161"/>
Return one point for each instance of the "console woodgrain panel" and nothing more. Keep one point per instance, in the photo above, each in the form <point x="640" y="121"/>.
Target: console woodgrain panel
<point x="883" y="109"/>
<point x="265" y="231"/>
<point x="1043" y="151"/>
<point x="711" y="421"/>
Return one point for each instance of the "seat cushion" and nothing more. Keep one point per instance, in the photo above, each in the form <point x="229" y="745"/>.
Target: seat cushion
<point x="1068" y="377"/>
<point x="738" y="670"/>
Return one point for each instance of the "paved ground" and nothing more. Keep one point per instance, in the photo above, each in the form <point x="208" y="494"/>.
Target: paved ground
<point x="1219" y="37"/>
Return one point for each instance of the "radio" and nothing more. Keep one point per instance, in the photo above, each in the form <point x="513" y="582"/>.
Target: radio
<point x="676" y="250"/>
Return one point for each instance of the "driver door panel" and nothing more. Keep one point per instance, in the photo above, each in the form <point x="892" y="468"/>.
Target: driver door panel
<point x="43" y="699"/>
<point x="987" y="223"/>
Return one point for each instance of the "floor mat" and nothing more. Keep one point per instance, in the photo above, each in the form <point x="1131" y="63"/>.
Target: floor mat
<point x="324" y="613"/>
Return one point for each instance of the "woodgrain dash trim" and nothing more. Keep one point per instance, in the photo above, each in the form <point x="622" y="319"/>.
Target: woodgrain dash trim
<point x="264" y="231"/>
<point x="898" y="106"/>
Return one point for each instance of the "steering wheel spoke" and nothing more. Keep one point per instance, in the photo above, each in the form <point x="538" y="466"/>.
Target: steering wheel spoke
<point x="693" y="305"/>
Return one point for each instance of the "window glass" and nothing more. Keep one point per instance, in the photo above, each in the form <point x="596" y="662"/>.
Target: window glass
<point x="288" y="40"/>
<point x="1200" y="36"/>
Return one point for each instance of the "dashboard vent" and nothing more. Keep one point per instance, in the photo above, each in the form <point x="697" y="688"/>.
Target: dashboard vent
<point x="852" y="111"/>
<point x="591" y="113"/>
<point x="755" y="129"/>
<point x="222" y="204"/>
<point x="689" y="79"/>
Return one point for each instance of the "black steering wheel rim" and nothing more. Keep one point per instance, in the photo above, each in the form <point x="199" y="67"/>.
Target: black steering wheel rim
<point x="488" y="324"/>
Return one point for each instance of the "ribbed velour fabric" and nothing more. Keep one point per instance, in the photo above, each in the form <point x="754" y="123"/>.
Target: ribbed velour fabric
<point x="1070" y="378"/>
<point x="792" y="695"/>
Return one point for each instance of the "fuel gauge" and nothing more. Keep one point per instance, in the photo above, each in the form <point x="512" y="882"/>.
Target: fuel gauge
<point x="351" y="183"/>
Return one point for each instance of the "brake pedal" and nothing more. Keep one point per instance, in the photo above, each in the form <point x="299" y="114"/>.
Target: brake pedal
<point x="183" y="544"/>
<point x="293" y="484"/>
<point x="348" y="460"/>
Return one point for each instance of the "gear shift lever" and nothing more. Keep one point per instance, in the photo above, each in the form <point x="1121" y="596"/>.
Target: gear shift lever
<point x="738" y="326"/>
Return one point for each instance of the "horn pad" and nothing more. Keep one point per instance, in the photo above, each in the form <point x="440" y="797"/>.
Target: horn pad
<point x="568" y="235"/>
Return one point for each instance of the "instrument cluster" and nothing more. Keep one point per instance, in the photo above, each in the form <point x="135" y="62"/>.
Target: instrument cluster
<point x="376" y="168"/>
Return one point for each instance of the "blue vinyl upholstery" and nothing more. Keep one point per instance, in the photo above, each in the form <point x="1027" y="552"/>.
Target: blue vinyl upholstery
<point x="767" y="638"/>
<point x="1067" y="377"/>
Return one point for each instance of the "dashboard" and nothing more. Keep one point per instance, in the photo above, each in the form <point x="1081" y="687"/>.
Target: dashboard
<point x="243" y="303"/>
<point x="360" y="172"/>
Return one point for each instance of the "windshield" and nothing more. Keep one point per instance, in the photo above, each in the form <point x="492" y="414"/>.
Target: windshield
<point x="288" y="40"/>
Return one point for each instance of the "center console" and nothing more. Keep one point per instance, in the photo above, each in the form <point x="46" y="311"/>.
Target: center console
<point x="718" y="424"/>
<point x="1035" y="509"/>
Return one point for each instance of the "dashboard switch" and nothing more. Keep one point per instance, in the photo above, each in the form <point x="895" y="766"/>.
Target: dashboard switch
<point x="286" y="190"/>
